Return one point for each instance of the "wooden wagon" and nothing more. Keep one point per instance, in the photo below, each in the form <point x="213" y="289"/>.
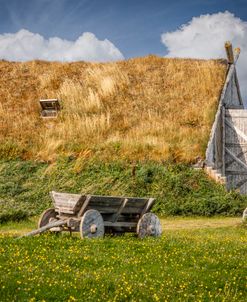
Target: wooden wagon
<point x="93" y="215"/>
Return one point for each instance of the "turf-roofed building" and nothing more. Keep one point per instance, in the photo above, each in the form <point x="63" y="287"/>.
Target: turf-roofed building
<point x="148" y="108"/>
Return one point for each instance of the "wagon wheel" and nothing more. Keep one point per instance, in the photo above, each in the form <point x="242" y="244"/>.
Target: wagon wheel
<point x="244" y="217"/>
<point x="46" y="217"/>
<point x="92" y="225"/>
<point x="149" y="225"/>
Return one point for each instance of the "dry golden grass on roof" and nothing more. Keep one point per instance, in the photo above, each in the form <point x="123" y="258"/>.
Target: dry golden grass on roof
<point x="143" y="108"/>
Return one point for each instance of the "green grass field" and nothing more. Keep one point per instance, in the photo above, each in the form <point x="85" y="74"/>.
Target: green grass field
<point x="201" y="259"/>
<point x="196" y="259"/>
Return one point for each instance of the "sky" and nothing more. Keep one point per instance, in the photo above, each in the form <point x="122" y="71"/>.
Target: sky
<point x="105" y="30"/>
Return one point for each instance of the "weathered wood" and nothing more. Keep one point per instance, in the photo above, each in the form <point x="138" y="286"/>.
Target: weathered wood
<point x="244" y="165"/>
<point x="236" y="144"/>
<point x="116" y="201"/>
<point x="50" y="104"/>
<point x="244" y="145"/>
<point x="111" y="205"/>
<point x="147" y="206"/>
<point x="149" y="225"/>
<point x="238" y="155"/>
<point x="210" y="152"/>
<point x="238" y="88"/>
<point x="49" y="108"/>
<point x="128" y="217"/>
<point x="233" y="180"/>
<point x="84" y="206"/>
<point x="233" y="113"/>
<point x="73" y="203"/>
<point x="235" y="166"/>
<point x="228" y="99"/>
<point x="231" y="99"/>
<point x="235" y="129"/>
<point x="46" y="217"/>
<point x="113" y="210"/>
<point x="236" y="54"/>
<point x="240" y="183"/>
<point x="47" y="227"/>
<point x="120" y="224"/>
<point x="98" y="212"/>
<point x="223" y="140"/>
<point x="73" y="223"/>
<point x="49" y="113"/>
<point x="225" y="99"/>
<point x="236" y="172"/>
<point x="92" y="225"/>
<point x="244" y="217"/>
<point x="115" y="217"/>
<point x="67" y="202"/>
<point x="116" y="204"/>
<point x="229" y="52"/>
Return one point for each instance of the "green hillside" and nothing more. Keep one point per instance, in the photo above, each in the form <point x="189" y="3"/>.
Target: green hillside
<point x="178" y="189"/>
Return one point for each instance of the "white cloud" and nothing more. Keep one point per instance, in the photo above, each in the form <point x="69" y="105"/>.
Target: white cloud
<point x="25" y="45"/>
<point x="204" y="37"/>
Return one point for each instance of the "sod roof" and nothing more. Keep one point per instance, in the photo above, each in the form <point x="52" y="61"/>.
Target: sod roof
<point x="142" y="108"/>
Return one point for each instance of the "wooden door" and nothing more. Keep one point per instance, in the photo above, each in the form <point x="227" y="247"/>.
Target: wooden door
<point x="235" y="149"/>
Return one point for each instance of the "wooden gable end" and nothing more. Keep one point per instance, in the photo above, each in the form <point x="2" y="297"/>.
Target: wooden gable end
<point x="230" y="99"/>
<point x="226" y="150"/>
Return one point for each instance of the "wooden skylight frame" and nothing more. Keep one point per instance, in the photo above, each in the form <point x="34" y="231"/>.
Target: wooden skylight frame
<point x="49" y="108"/>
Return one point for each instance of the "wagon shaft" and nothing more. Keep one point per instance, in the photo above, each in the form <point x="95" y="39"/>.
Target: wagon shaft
<point x="46" y="228"/>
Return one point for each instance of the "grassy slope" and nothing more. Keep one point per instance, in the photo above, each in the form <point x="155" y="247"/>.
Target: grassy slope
<point x="179" y="190"/>
<point x="201" y="264"/>
<point x="148" y="108"/>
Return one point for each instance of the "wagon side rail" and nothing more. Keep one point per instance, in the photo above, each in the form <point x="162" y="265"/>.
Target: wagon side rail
<point x="118" y="211"/>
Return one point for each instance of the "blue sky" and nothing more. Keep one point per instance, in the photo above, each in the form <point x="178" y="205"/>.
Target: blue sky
<point x="134" y="27"/>
<point x="106" y="30"/>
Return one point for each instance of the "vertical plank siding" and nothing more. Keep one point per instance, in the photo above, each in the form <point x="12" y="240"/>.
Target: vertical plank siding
<point x="228" y="99"/>
<point x="236" y="149"/>
<point x="223" y="141"/>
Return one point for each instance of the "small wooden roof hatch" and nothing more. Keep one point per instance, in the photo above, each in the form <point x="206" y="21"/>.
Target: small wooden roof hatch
<point x="49" y="108"/>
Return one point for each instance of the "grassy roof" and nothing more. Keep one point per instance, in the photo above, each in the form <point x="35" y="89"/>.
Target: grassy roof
<point x="143" y="108"/>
